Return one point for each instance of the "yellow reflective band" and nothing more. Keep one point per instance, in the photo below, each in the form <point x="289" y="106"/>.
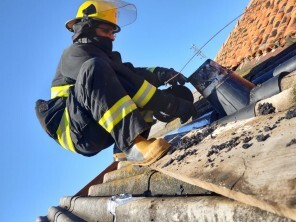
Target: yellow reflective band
<point x="151" y="69"/>
<point x="144" y="94"/>
<point x="61" y="91"/>
<point x="118" y="111"/>
<point x="147" y="115"/>
<point x="63" y="133"/>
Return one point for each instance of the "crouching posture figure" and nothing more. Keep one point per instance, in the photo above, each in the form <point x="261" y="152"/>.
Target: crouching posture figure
<point x="96" y="100"/>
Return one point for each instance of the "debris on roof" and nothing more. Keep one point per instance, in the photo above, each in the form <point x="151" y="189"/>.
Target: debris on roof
<point x="251" y="161"/>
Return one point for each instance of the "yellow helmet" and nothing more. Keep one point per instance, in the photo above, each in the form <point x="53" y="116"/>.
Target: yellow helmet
<point x="106" y="11"/>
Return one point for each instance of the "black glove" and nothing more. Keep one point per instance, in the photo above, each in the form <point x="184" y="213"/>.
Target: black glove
<point x="172" y="106"/>
<point x="165" y="75"/>
<point x="184" y="110"/>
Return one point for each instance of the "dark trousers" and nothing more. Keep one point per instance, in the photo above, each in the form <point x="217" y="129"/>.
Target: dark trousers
<point x="98" y="88"/>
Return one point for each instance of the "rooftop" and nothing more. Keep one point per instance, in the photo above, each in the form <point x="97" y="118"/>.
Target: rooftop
<point x="242" y="170"/>
<point x="266" y="26"/>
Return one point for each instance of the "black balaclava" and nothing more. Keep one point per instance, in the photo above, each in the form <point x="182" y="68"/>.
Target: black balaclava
<point x="84" y="32"/>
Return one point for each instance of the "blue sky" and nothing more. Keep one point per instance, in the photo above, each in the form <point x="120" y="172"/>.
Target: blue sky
<point x="35" y="171"/>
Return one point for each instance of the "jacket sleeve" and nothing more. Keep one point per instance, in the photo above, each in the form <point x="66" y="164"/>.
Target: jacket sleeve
<point x="145" y="72"/>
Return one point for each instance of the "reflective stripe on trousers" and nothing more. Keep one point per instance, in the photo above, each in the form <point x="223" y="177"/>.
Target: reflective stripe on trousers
<point x="63" y="132"/>
<point x="118" y="111"/>
<point x="126" y="105"/>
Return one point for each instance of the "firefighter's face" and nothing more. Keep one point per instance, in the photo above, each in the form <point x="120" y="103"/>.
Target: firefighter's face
<point x="105" y="30"/>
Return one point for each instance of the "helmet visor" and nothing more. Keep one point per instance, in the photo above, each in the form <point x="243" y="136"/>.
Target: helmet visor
<point x="126" y="12"/>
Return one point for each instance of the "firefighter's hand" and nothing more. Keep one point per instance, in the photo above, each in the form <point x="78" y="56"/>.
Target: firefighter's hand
<point x="170" y="76"/>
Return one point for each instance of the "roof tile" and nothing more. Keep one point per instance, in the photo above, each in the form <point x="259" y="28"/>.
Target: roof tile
<point x="262" y="29"/>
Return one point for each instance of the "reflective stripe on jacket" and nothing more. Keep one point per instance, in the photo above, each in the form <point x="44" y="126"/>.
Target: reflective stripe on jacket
<point x="60" y="91"/>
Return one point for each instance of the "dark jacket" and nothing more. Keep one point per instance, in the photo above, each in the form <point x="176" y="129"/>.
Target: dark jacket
<point x="75" y="55"/>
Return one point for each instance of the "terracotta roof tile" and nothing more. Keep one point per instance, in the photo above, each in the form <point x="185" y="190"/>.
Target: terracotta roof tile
<point x="265" y="26"/>
<point x="291" y="29"/>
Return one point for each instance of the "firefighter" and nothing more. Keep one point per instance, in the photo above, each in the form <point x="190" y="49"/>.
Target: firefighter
<point x="97" y="100"/>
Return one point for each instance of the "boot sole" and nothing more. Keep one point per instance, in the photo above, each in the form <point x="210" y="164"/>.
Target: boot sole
<point x="119" y="157"/>
<point x="163" y="147"/>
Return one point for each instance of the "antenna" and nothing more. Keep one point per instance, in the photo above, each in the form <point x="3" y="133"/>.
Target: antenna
<point x="198" y="52"/>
